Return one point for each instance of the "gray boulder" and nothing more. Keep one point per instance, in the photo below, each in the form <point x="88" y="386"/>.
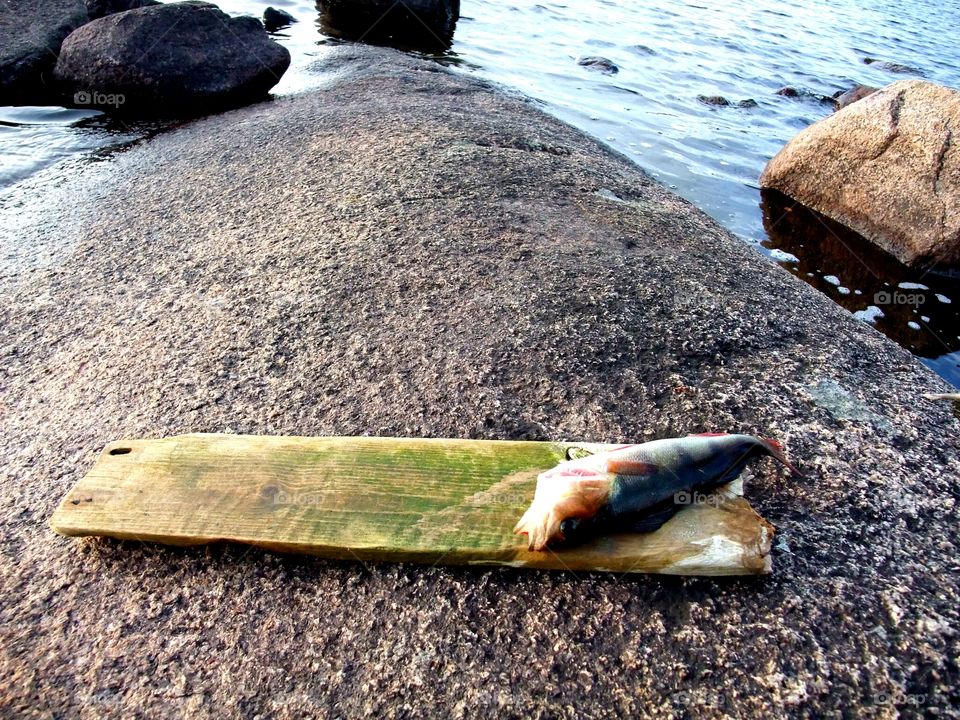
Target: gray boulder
<point x="30" y="37"/>
<point x="31" y="34"/>
<point x="174" y="59"/>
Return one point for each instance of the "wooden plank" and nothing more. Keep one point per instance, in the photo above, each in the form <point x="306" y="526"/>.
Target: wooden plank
<point x="395" y="499"/>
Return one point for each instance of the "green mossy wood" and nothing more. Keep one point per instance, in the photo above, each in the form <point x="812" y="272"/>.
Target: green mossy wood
<point x="395" y="499"/>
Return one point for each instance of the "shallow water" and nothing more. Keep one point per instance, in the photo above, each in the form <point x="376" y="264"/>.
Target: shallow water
<point x="668" y="54"/>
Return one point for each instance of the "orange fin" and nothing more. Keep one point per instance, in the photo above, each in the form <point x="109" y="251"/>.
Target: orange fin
<point x="630" y="467"/>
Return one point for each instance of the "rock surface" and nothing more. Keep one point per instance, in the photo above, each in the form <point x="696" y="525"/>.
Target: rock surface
<point x="720" y="101"/>
<point x="888" y="167"/>
<point x="409" y="252"/>
<point x="179" y="58"/>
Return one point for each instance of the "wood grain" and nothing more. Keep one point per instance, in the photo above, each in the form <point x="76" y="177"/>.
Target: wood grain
<point x="393" y="499"/>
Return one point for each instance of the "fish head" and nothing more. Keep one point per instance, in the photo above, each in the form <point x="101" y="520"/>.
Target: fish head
<point x="573" y="490"/>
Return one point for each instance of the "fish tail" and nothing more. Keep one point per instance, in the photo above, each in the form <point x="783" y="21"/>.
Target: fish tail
<point x="775" y="450"/>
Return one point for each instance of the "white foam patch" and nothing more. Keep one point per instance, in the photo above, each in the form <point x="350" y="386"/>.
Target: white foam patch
<point x="783" y="256"/>
<point x="870" y="314"/>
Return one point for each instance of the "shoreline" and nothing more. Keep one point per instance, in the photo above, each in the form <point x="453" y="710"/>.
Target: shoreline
<point x="406" y="251"/>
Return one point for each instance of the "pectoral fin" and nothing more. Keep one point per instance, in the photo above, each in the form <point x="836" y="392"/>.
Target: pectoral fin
<point x="653" y="520"/>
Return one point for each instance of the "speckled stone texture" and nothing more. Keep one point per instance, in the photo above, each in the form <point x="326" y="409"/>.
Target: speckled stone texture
<point x="411" y="252"/>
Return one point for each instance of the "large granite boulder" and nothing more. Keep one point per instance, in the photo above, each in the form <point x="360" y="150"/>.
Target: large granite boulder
<point x="31" y="32"/>
<point x="887" y="167"/>
<point x="30" y="38"/>
<point x="180" y="58"/>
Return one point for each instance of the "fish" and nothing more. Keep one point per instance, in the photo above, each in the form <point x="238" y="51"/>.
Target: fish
<point x="635" y="487"/>
<point x="943" y="396"/>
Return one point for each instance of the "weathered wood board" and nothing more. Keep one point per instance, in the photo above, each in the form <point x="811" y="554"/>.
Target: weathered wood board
<point x="394" y="499"/>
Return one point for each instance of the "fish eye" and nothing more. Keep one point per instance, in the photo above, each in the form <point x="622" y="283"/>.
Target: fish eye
<point x="570" y="527"/>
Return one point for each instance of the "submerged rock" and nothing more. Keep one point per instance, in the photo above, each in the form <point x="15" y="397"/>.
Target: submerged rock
<point x="714" y="100"/>
<point x="842" y="99"/>
<point x="790" y="91"/>
<point x="887" y="167"/>
<point x="600" y="64"/>
<point x="892" y="67"/>
<point x="274" y="19"/>
<point x="174" y="59"/>
<point x="720" y="101"/>
<point x="413" y="24"/>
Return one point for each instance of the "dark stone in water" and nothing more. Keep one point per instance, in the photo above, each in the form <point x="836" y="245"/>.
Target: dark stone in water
<point x="600" y="64"/>
<point x="858" y="92"/>
<point x="892" y="67"/>
<point x="803" y="94"/>
<point x="720" y="101"/>
<point x="714" y="100"/>
<point x="274" y="19"/>
<point x="135" y="63"/>
<point x="411" y="24"/>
